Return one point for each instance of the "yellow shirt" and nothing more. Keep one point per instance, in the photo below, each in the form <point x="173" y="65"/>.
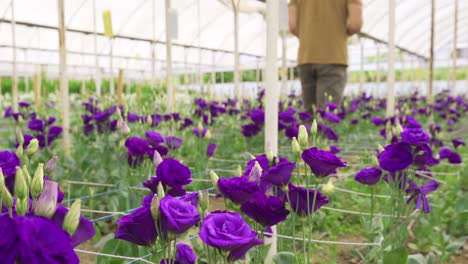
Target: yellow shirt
<point x="322" y="31"/>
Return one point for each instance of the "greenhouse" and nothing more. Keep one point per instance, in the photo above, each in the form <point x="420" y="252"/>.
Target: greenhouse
<point x="233" y="131"/>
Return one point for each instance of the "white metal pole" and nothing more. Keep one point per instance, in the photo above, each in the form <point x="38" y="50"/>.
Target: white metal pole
<point x="65" y="105"/>
<point x="200" y="80"/>
<point x="14" y="90"/>
<point x="97" y="73"/>
<point x="170" y="88"/>
<point x="26" y="77"/>
<point x="213" y="75"/>
<point x="153" y="45"/>
<point x="361" y="68"/>
<point x="391" y="60"/>
<point x="454" y="48"/>
<point x="284" y="66"/>
<point x="430" y="98"/>
<point x="111" y="61"/>
<point x="272" y="93"/>
<point x="377" y="71"/>
<point x="237" y="88"/>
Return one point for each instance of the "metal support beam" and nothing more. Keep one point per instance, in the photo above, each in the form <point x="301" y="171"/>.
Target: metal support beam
<point x="65" y="105"/>
<point x="430" y="98"/>
<point x="272" y="93"/>
<point x="14" y="90"/>
<point x="170" y="89"/>
<point x="391" y="60"/>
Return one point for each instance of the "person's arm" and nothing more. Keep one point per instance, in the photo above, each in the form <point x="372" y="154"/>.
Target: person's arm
<point x="354" y="21"/>
<point x="292" y="17"/>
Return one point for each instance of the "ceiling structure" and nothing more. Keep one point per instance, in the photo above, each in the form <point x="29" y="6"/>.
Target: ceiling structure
<point x="208" y="24"/>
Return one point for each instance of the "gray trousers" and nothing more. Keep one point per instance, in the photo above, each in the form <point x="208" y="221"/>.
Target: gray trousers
<point x="319" y="82"/>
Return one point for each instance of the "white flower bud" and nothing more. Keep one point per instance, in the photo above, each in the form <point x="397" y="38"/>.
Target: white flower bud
<point x="255" y="173"/>
<point x="72" y="218"/>
<point x="161" y="192"/>
<point x="313" y="128"/>
<point x="208" y="134"/>
<point x="46" y="204"/>
<point x="50" y="165"/>
<point x="157" y="159"/>
<point x="239" y="170"/>
<point x="22" y="206"/>
<point x="19" y="151"/>
<point x="270" y="155"/>
<point x="27" y="176"/>
<point x="6" y="196"/>
<point x="296" y="149"/>
<point x="37" y="184"/>
<point x="33" y="147"/>
<point x="303" y="137"/>
<point x="125" y="129"/>
<point x="155" y="207"/>
<point x="20" y="137"/>
<point x="21" y="186"/>
<point x="380" y="148"/>
<point x="214" y="179"/>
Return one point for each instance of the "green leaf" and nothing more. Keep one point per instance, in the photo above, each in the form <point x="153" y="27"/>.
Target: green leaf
<point x="416" y="259"/>
<point x="462" y="205"/>
<point x="456" y="245"/>
<point x="396" y="256"/>
<point x="284" y="258"/>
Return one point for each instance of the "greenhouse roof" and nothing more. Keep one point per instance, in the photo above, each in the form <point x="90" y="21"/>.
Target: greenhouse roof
<point x="201" y="23"/>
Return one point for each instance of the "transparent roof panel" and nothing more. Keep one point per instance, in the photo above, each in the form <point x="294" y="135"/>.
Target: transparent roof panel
<point x="201" y="23"/>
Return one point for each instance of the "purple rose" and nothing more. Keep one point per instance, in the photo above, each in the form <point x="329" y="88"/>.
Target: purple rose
<point x="266" y="210"/>
<point x="237" y="189"/>
<point x="331" y="117"/>
<point x="210" y="149"/>
<point x="423" y="156"/>
<point x="454" y="158"/>
<point x="396" y="157"/>
<point x="334" y="149"/>
<point x="228" y="232"/>
<point x="368" y="176"/>
<point x="444" y="153"/>
<point x="36" y="125"/>
<point x="8" y="162"/>
<point x="34" y="239"/>
<point x="378" y="121"/>
<point x="414" y="136"/>
<point x="138" y="227"/>
<point x="154" y="138"/>
<point x="279" y="174"/>
<point x="257" y="116"/>
<point x="173" y="173"/>
<point x="185" y="255"/>
<point x="174" y="142"/>
<point x="250" y="130"/>
<point x="322" y="162"/>
<point x="301" y="200"/>
<point x="177" y="216"/>
<point x="136" y="146"/>
<point x="458" y="142"/>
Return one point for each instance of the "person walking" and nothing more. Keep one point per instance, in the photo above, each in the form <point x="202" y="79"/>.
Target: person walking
<point x="323" y="28"/>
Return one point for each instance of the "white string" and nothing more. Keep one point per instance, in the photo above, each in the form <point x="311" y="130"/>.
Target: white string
<point x="111" y="256"/>
<point x="362" y="194"/>
<point x="100" y="212"/>
<point x="327" y="241"/>
<point x="356" y="212"/>
<point x="225" y="160"/>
